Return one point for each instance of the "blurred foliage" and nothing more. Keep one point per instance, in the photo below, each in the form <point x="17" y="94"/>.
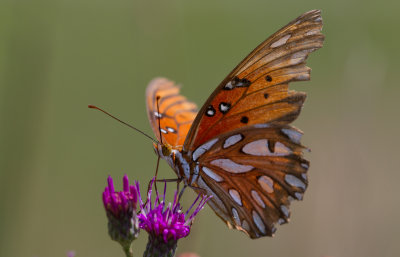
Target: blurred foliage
<point x="58" y="56"/>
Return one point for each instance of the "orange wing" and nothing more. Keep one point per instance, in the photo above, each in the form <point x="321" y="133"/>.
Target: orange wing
<point x="256" y="91"/>
<point x="253" y="174"/>
<point x="175" y="112"/>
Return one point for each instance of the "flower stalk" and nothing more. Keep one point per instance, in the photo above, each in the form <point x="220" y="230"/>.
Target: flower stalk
<point x="120" y="207"/>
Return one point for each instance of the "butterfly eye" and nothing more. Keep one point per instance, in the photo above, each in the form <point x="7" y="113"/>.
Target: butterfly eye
<point x="166" y="150"/>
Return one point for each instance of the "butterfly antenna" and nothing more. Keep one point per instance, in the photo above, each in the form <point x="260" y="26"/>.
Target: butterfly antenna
<point x="115" y="118"/>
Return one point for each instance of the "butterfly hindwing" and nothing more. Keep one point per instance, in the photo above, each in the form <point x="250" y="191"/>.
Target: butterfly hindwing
<point x="176" y="114"/>
<point x="253" y="174"/>
<point x="257" y="91"/>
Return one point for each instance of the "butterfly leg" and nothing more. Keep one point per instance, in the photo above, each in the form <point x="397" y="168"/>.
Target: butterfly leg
<point x="169" y="180"/>
<point x="177" y="180"/>
<point x="155" y="184"/>
<point x="181" y="193"/>
<point x="203" y="191"/>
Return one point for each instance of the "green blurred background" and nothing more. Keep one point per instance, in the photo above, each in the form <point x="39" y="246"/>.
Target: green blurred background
<point x="58" y="56"/>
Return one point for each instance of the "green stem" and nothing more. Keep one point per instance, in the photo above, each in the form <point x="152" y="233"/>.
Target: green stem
<point x="128" y="250"/>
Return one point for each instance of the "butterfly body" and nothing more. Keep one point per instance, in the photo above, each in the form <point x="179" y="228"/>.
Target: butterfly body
<point x="240" y="147"/>
<point x="177" y="162"/>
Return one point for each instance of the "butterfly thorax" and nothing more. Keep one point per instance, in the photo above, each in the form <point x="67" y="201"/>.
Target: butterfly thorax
<point x="177" y="162"/>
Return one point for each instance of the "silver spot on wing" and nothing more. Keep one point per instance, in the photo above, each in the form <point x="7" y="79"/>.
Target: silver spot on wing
<point x="232" y="140"/>
<point x="203" y="148"/>
<point x="257" y="198"/>
<point x="294" y="135"/>
<point x="224" y="107"/>
<point x="259" y="223"/>
<point x="266" y="183"/>
<point x="294" y="181"/>
<point x="280" y="41"/>
<point x="231" y="166"/>
<point x="236" y="216"/>
<point x="235" y="196"/>
<point x="260" y="148"/>
<point x="281" y="149"/>
<point x="304" y="165"/>
<point x="245" y="225"/>
<point x="228" y="86"/>
<point x="298" y="195"/>
<point x="285" y="210"/>
<point x="212" y="174"/>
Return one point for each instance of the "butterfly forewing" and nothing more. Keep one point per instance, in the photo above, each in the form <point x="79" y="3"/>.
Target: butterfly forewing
<point x="264" y="75"/>
<point x="174" y="112"/>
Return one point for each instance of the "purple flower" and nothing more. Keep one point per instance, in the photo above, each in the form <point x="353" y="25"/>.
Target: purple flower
<point x="121" y="213"/>
<point x="165" y="222"/>
<point x="120" y="203"/>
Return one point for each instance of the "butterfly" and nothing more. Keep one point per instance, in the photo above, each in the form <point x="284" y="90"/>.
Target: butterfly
<point x="239" y="147"/>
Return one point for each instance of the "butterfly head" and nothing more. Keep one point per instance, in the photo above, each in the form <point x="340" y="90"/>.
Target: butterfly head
<point x="163" y="150"/>
<point x="166" y="150"/>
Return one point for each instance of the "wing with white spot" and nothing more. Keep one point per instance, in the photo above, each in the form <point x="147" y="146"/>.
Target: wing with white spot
<point x="175" y="112"/>
<point x="257" y="90"/>
<point x="253" y="174"/>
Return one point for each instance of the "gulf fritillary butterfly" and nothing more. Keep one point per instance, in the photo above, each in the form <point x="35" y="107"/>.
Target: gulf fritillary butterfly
<point x="239" y="147"/>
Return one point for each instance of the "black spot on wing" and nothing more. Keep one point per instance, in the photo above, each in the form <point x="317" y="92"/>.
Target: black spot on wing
<point x="210" y="112"/>
<point x="236" y="82"/>
<point x="224" y="107"/>
<point x="244" y="120"/>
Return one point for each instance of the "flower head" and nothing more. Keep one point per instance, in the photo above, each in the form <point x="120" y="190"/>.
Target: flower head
<point x="121" y="212"/>
<point x="166" y="222"/>
<point x="119" y="203"/>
